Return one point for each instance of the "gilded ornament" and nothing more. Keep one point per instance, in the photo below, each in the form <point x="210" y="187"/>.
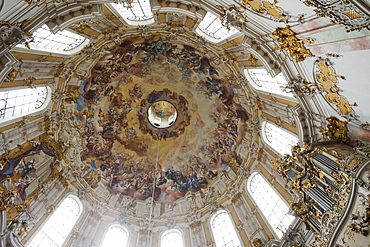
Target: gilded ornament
<point x="13" y="74"/>
<point x="328" y="83"/>
<point x="257" y="242"/>
<point x="341" y="12"/>
<point x="12" y="34"/>
<point x="336" y="129"/>
<point x="288" y="41"/>
<point x="266" y="8"/>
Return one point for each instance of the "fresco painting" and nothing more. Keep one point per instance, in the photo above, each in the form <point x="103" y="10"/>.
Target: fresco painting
<point x="133" y="158"/>
<point x="24" y="173"/>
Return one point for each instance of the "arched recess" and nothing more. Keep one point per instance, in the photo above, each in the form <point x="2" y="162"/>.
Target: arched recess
<point x="116" y="235"/>
<point x="212" y="29"/>
<point x="57" y="228"/>
<point x="262" y="81"/>
<point x="223" y="230"/>
<point x="62" y="42"/>
<point x="18" y="102"/>
<point x="279" y="139"/>
<point x="270" y="204"/>
<point x="138" y="13"/>
<point x="172" y="237"/>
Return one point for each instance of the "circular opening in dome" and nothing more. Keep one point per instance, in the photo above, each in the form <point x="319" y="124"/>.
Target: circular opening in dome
<point x="162" y="114"/>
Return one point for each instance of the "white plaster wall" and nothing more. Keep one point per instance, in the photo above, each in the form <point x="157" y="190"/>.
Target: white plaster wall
<point x="356" y="88"/>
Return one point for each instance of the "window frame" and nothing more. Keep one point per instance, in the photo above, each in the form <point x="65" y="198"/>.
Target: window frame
<point x="82" y="209"/>
<point x="119" y="13"/>
<point x="214" y="40"/>
<point x="124" y="228"/>
<point x="252" y="82"/>
<point x="249" y="192"/>
<point x="169" y="231"/>
<point x="36" y="48"/>
<point x="267" y="142"/>
<point x="214" y="215"/>
<point x="16" y="118"/>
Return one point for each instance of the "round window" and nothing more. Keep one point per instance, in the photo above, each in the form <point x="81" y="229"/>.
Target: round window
<point x="162" y="114"/>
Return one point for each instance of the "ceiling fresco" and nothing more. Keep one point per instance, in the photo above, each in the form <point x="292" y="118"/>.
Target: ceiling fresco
<point x="128" y="154"/>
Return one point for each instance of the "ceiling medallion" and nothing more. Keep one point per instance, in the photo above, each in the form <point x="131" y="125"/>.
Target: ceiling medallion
<point x="164" y="114"/>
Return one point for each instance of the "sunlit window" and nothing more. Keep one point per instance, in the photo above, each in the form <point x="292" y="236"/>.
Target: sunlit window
<point x="57" y="228"/>
<point x="223" y="230"/>
<point x="279" y="139"/>
<point x="139" y="10"/>
<point x="21" y="101"/>
<point x="270" y="204"/>
<point x="61" y="41"/>
<point x="172" y="238"/>
<point x="211" y="25"/>
<point x="116" y="236"/>
<point x="262" y="80"/>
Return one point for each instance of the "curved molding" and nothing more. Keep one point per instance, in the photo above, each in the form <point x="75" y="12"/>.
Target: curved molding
<point x="7" y="64"/>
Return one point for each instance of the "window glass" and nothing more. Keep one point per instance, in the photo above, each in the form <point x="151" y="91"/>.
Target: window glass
<point x="57" y="228"/>
<point x="61" y="41"/>
<point x="172" y="238"/>
<point x="279" y="139"/>
<point x="223" y="231"/>
<point x="211" y="25"/>
<point x="116" y="236"/>
<point x="264" y="81"/>
<point x="21" y="101"/>
<point x="270" y="204"/>
<point x="139" y="10"/>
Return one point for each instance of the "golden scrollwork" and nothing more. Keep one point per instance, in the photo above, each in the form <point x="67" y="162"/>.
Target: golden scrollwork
<point x="336" y="129"/>
<point x="13" y="74"/>
<point x="257" y="242"/>
<point x="328" y="82"/>
<point x="72" y="94"/>
<point x="290" y="42"/>
<point x="265" y="7"/>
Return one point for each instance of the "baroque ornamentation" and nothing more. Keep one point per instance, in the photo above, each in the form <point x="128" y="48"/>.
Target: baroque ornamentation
<point x="336" y="130"/>
<point x="12" y="34"/>
<point x="307" y="175"/>
<point x="266" y="8"/>
<point x="178" y="101"/>
<point x="288" y="41"/>
<point x="233" y="17"/>
<point x="359" y="221"/>
<point x="301" y="87"/>
<point x="327" y="80"/>
<point x="341" y="12"/>
<point x="18" y="175"/>
<point x="129" y="153"/>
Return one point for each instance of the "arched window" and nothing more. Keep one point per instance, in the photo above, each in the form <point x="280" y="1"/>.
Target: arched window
<point x="223" y="230"/>
<point x="117" y="236"/>
<point x="279" y="139"/>
<point x="172" y="238"/>
<point x="211" y="26"/>
<point x="21" y="102"/>
<point x="57" y="228"/>
<point x="61" y="41"/>
<point x="262" y="80"/>
<point x="270" y="204"/>
<point x="136" y="12"/>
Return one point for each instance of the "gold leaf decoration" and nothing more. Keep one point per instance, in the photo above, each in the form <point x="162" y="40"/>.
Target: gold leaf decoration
<point x="328" y="82"/>
<point x="352" y="14"/>
<point x="290" y="42"/>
